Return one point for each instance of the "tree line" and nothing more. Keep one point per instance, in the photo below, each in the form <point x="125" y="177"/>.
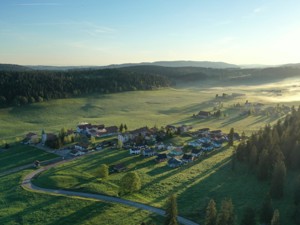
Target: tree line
<point x="23" y="87"/>
<point x="272" y="152"/>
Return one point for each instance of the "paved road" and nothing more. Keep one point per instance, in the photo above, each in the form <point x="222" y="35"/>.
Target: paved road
<point x="26" y="184"/>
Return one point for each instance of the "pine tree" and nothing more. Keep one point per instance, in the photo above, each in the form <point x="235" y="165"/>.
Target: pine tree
<point x="211" y="213"/>
<point x="121" y="128"/>
<point x="125" y="127"/>
<point x="171" y="211"/>
<point x="276" y="218"/>
<point x="226" y="214"/>
<point x="253" y="157"/>
<point x="263" y="165"/>
<point x="231" y="137"/>
<point x="248" y="217"/>
<point x="278" y="180"/>
<point x="266" y="211"/>
<point x="297" y="192"/>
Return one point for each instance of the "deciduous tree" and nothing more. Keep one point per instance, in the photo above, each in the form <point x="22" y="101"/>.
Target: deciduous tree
<point x="130" y="182"/>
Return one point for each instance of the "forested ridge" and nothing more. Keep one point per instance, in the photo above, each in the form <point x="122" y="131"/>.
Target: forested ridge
<point x="23" y="87"/>
<point x="272" y="153"/>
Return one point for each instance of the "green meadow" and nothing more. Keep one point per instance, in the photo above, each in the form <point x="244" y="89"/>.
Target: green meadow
<point x="194" y="184"/>
<point x="19" y="206"/>
<point x="136" y="109"/>
<point x="20" y="155"/>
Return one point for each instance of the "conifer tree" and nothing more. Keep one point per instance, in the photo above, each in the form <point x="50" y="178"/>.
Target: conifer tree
<point x="231" y="137"/>
<point x="171" y="211"/>
<point x="121" y="128"/>
<point x="211" y="213"/>
<point x="266" y="211"/>
<point x="253" y="157"/>
<point x="276" y="218"/>
<point x="278" y="180"/>
<point x="263" y="165"/>
<point x="297" y="192"/>
<point x="226" y="213"/>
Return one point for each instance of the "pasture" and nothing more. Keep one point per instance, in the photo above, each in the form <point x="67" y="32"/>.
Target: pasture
<point x="140" y="108"/>
<point x="18" y="206"/>
<point x="194" y="184"/>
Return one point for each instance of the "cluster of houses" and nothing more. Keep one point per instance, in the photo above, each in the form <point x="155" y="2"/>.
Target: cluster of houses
<point x="205" y="141"/>
<point x="175" y="156"/>
<point x="96" y="130"/>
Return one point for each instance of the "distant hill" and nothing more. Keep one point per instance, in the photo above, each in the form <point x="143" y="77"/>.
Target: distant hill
<point x="294" y="65"/>
<point x="13" y="67"/>
<point x="180" y="63"/>
<point x="204" y="64"/>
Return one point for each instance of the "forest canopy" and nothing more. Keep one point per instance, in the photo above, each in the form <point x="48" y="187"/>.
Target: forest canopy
<point x="23" y="87"/>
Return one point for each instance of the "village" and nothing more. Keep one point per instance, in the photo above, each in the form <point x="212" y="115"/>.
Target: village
<point x="145" y="142"/>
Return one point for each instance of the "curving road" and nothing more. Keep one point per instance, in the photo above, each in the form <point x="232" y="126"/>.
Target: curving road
<point x="27" y="184"/>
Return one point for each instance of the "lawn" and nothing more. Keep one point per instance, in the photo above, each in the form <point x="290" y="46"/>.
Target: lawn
<point x="136" y="109"/>
<point x="18" y="206"/>
<point x="19" y="155"/>
<point x="194" y="184"/>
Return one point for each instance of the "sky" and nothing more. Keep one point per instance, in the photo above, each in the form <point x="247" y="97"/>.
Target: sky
<point x="102" y="32"/>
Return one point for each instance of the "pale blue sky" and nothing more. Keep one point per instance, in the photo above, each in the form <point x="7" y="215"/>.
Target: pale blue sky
<point x="100" y="32"/>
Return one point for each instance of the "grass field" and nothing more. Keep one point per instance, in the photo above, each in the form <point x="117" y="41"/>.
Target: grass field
<point x="18" y="206"/>
<point x="136" y="109"/>
<point x="194" y="184"/>
<point x="19" y="155"/>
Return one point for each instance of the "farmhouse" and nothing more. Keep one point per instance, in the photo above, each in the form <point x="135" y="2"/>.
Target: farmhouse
<point x="119" y="168"/>
<point x="161" y="157"/>
<point x="149" y="152"/>
<point x="81" y="146"/>
<point x="187" y="158"/>
<point x="135" y="151"/>
<point x="31" y="138"/>
<point x="204" y="114"/>
<point x="196" y="152"/>
<point x="48" y="137"/>
<point x="173" y="162"/>
<point x="184" y="128"/>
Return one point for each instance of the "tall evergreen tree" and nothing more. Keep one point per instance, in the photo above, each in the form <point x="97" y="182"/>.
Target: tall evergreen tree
<point x="263" y="165"/>
<point x="211" y="213"/>
<point x="278" y="180"/>
<point x="231" y="137"/>
<point x="171" y="211"/>
<point x="253" y="157"/>
<point x="121" y="128"/>
<point x="266" y="211"/>
<point x="297" y="191"/>
<point x="248" y="217"/>
<point x="276" y="218"/>
<point x="226" y="213"/>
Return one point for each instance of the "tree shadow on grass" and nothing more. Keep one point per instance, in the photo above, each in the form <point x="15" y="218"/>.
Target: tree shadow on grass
<point x="233" y="120"/>
<point x="84" y="214"/>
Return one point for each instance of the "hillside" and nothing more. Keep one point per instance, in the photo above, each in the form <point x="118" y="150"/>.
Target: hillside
<point x="13" y="67"/>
